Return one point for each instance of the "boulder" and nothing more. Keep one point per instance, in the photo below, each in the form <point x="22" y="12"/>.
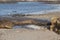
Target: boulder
<point x="55" y="24"/>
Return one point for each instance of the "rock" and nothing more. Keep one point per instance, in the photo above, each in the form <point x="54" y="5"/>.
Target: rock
<point x="55" y="24"/>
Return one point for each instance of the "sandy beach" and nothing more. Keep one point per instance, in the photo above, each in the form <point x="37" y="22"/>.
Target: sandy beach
<point x="26" y="34"/>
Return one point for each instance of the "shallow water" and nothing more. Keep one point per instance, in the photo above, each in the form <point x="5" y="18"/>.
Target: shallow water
<point x="26" y="7"/>
<point x="33" y="27"/>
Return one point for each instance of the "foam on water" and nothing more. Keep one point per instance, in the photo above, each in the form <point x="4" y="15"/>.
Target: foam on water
<point x="35" y="27"/>
<point x="32" y="26"/>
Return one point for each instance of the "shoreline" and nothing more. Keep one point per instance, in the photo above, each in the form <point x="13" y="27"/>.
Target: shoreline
<point x="25" y="34"/>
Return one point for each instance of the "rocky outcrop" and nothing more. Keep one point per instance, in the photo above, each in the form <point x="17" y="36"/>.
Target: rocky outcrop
<point x="55" y="21"/>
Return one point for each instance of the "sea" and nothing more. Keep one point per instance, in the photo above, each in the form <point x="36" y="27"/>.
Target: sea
<point x="27" y="8"/>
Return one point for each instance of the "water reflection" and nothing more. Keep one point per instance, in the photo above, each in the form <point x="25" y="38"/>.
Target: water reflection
<point x="33" y="27"/>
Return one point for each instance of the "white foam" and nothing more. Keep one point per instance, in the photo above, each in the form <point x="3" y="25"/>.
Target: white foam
<point x="32" y="26"/>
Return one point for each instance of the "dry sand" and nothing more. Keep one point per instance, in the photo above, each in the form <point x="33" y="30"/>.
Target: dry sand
<point x="24" y="34"/>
